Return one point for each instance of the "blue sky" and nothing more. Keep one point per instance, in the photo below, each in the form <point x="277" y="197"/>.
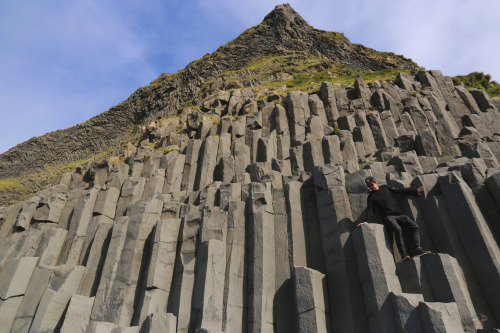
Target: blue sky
<point x="63" y="62"/>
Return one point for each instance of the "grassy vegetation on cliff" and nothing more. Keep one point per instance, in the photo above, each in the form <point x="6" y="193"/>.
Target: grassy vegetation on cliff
<point x="291" y="70"/>
<point x="479" y="80"/>
<point x="20" y="189"/>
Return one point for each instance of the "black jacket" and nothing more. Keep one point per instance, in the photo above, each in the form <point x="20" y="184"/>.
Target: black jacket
<point x="383" y="202"/>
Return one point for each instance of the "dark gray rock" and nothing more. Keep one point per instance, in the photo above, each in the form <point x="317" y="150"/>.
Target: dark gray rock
<point x="327" y="95"/>
<point x="253" y="119"/>
<point x="375" y="122"/>
<point x="280" y="119"/>
<point x="468" y="99"/>
<point x="362" y="133"/>
<point x="455" y="104"/>
<point x="362" y="91"/>
<point x="191" y="165"/>
<point x="428" y="164"/>
<point x="440" y="317"/>
<point x="480" y="150"/>
<point x="158" y="322"/>
<point x="298" y="112"/>
<point x="297" y="159"/>
<point x="414" y="278"/>
<point x="377" y="273"/>
<point x="335" y="220"/>
<point x="238" y="99"/>
<point x="249" y="107"/>
<point x="216" y="103"/>
<point x="206" y="162"/>
<point x="448" y="286"/>
<point x="317" y="107"/>
<point x="390" y="129"/>
<point x="406" y="311"/>
<point x="483" y="100"/>
<point x="331" y="150"/>
<point x="312" y="155"/>
<point x="406" y="142"/>
<point x="261" y="265"/>
<point x="427" y="144"/>
<point x="471" y="228"/>
<point x="311" y="310"/>
<point x="347" y="146"/>
<point x="493" y="184"/>
<point x="407" y="82"/>
<point x="407" y="162"/>
<point x="406" y="124"/>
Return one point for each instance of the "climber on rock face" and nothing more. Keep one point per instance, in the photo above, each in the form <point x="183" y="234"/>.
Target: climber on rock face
<point x="382" y="200"/>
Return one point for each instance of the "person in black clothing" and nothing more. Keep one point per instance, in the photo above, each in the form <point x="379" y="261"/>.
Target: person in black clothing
<point x="382" y="200"/>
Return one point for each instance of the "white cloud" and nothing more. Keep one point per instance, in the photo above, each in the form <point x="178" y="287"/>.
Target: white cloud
<point x="62" y="64"/>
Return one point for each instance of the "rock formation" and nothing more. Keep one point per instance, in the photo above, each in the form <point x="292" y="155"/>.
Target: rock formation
<point x="283" y="33"/>
<point x="240" y="216"/>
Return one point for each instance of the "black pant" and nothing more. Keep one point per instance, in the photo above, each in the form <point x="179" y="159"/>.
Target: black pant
<point x="395" y="223"/>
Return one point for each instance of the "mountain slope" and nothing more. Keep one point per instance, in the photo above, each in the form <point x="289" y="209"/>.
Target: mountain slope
<point x="282" y="31"/>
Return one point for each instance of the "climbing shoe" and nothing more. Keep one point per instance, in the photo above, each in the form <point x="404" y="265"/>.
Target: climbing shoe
<point x="420" y="252"/>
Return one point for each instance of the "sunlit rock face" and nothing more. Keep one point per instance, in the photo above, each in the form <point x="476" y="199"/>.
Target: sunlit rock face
<point x="241" y="215"/>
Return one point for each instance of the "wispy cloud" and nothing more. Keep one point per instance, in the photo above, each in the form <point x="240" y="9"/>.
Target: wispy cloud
<point x="62" y="64"/>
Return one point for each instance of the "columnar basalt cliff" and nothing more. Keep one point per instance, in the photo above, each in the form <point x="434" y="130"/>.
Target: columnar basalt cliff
<point x="239" y="213"/>
<point x="282" y="32"/>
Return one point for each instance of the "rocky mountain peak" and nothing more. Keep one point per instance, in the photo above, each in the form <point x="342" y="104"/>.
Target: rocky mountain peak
<point x="276" y="50"/>
<point x="284" y="17"/>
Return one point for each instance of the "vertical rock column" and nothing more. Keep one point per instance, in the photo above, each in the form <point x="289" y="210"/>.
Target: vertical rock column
<point x="261" y="260"/>
<point x="15" y="277"/>
<point x="161" y="267"/>
<point x="375" y="122"/>
<point x="406" y="311"/>
<point x="154" y="183"/>
<point x="283" y="301"/>
<point x="479" y="244"/>
<point x="235" y="319"/>
<point x="27" y="211"/>
<point x="191" y="165"/>
<point x="183" y="281"/>
<point x="34" y="292"/>
<point x="335" y="223"/>
<point x="132" y="191"/>
<point x="78" y="314"/>
<point x="363" y="134"/>
<point x="143" y="215"/>
<point x="377" y="272"/>
<point x="296" y="223"/>
<point x="207" y="307"/>
<point x="207" y="162"/>
<point x="106" y="202"/>
<point x="174" y="163"/>
<point x="62" y="285"/>
<point x="448" y="285"/>
<point x="108" y="273"/>
<point x="50" y="246"/>
<point x="311" y="310"/>
<point x="10" y="217"/>
<point x="440" y="317"/>
<point x="298" y="112"/>
<point x="327" y="95"/>
<point x="78" y="228"/>
<point x="95" y="261"/>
